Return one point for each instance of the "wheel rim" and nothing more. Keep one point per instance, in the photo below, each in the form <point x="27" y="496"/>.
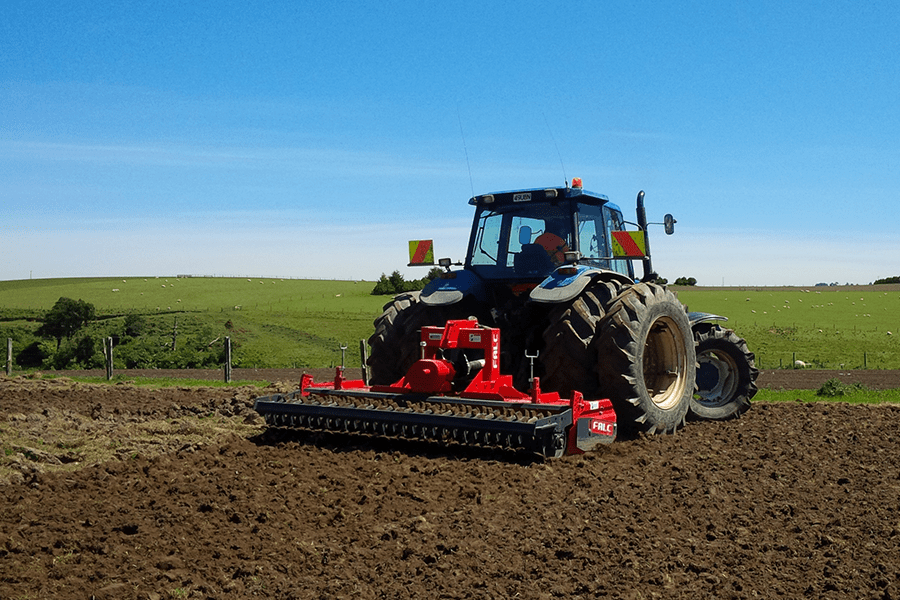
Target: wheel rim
<point x="717" y="380"/>
<point x="664" y="364"/>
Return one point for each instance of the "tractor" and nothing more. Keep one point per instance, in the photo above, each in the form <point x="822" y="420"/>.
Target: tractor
<point x="552" y="269"/>
<point x="588" y="351"/>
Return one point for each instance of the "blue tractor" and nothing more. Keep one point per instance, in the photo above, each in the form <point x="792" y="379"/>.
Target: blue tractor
<point x="552" y="268"/>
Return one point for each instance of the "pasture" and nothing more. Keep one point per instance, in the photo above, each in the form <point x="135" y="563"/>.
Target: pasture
<point x="842" y="327"/>
<point x="283" y="323"/>
<point x="271" y="322"/>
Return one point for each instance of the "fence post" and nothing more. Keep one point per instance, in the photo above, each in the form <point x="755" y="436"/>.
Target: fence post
<point x="364" y="358"/>
<point x="8" y="357"/>
<point x="109" y="358"/>
<point x="227" y="359"/>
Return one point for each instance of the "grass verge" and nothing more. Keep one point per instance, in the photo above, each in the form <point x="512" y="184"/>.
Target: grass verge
<point x="857" y="395"/>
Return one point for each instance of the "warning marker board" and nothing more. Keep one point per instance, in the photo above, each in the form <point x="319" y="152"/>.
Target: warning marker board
<point x="421" y="252"/>
<point x="629" y="244"/>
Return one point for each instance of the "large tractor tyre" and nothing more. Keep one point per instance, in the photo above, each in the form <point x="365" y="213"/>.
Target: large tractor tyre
<point x="726" y="374"/>
<point x="568" y="361"/>
<point x="646" y="359"/>
<point x="395" y="343"/>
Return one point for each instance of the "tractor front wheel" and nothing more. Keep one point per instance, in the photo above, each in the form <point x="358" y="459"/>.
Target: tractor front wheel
<point x="726" y="374"/>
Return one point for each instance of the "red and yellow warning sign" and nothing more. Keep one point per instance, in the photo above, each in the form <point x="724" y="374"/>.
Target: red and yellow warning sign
<point x="421" y="252"/>
<point x="629" y="244"/>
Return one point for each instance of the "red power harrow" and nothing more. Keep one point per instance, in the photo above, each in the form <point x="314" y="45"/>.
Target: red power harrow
<point x="426" y="404"/>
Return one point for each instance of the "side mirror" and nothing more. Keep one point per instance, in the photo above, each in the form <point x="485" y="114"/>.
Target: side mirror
<point x="669" y="221"/>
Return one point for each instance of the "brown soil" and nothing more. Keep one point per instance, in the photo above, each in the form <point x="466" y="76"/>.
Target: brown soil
<point x="191" y="499"/>
<point x="812" y="379"/>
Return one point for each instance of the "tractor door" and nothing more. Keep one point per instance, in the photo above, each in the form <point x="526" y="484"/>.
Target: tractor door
<point x="594" y="224"/>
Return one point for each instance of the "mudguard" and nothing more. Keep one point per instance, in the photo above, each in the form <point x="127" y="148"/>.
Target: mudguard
<point x="559" y="287"/>
<point x="696" y="318"/>
<point x="444" y="292"/>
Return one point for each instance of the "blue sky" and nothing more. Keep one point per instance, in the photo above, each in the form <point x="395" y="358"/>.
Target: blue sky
<point x="301" y="139"/>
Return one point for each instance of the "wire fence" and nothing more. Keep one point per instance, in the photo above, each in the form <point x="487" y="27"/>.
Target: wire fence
<point x="791" y="360"/>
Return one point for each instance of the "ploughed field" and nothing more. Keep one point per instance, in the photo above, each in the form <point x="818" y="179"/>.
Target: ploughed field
<point x="114" y="491"/>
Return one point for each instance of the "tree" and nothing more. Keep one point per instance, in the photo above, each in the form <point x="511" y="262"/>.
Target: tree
<point x="685" y="281"/>
<point x="65" y="318"/>
<point x="895" y="279"/>
<point x="396" y="284"/>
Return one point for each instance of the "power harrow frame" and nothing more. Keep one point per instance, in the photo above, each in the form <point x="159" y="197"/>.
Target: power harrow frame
<point x="430" y="402"/>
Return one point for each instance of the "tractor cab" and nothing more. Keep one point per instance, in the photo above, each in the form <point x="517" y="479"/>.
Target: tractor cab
<point x="523" y="236"/>
<point x="543" y="244"/>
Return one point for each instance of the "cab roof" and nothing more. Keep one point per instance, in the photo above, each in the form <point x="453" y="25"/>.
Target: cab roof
<point x="538" y="195"/>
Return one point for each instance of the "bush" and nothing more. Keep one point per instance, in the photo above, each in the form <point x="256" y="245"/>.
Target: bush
<point x="80" y="353"/>
<point x="193" y="351"/>
<point x="135" y="325"/>
<point x="834" y="388"/>
<point x="33" y="355"/>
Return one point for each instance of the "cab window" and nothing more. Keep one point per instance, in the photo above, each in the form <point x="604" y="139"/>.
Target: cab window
<point x="487" y="240"/>
<point x="594" y="225"/>
<point x="524" y="241"/>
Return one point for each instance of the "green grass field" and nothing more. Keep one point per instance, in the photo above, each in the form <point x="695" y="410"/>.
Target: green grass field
<point x="303" y="323"/>
<point x="827" y="328"/>
<point x="860" y="396"/>
<point x="272" y="322"/>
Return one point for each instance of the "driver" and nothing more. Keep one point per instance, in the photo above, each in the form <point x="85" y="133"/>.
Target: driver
<point x="554" y="245"/>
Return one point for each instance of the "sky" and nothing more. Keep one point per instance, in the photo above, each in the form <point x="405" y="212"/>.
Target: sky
<point x="314" y="139"/>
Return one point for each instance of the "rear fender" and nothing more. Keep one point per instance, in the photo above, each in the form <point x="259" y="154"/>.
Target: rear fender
<point x="559" y="287"/>
<point x="698" y="318"/>
<point x="451" y="290"/>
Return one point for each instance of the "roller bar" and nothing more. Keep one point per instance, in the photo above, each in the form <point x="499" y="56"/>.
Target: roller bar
<point x="532" y="427"/>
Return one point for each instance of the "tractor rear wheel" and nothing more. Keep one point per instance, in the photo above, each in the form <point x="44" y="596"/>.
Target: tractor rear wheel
<point x="568" y="361"/>
<point x="392" y="345"/>
<point x="726" y="374"/>
<point x="646" y="359"/>
<point x="395" y="343"/>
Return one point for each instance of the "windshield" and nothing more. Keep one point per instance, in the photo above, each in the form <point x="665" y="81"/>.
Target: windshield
<point x="526" y="241"/>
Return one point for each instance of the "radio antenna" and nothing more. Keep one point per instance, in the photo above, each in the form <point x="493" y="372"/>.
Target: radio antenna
<point x="465" y="149"/>
<point x="565" y="178"/>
